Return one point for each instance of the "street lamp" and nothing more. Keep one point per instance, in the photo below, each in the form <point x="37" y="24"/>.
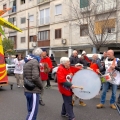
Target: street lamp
<point x="28" y="32"/>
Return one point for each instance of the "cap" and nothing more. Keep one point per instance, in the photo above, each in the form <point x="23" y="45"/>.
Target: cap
<point x="83" y="52"/>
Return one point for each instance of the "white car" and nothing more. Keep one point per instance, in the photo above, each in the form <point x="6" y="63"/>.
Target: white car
<point x="10" y="66"/>
<point x="53" y="75"/>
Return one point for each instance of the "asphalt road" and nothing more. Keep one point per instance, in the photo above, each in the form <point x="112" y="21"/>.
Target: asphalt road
<point x="13" y="106"/>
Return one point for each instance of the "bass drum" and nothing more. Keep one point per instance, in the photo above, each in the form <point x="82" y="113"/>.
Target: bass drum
<point x="90" y="82"/>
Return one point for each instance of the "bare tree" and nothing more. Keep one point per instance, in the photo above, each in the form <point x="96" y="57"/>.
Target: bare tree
<point x="100" y="19"/>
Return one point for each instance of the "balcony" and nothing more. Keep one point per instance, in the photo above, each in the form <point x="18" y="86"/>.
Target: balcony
<point x="42" y="1"/>
<point x="105" y="7"/>
<point x="44" y="43"/>
<point x="44" y="21"/>
<point x="13" y="10"/>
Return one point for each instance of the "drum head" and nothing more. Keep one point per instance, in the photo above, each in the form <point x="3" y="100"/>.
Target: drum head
<point x="90" y="82"/>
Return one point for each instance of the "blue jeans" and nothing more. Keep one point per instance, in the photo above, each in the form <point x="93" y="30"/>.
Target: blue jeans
<point x="32" y="105"/>
<point x="67" y="107"/>
<point x="104" y="91"/>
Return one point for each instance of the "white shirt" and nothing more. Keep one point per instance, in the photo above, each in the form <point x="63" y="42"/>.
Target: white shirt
<point x="18" y="66"/>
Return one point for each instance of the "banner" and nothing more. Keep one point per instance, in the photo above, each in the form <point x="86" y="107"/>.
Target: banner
<point x="3" y="71"/>
<point x="7" y="24"/>
<point x="4" y="11"/>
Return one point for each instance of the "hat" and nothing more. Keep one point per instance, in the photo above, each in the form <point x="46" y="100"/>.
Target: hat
<point x="83" y="52"/>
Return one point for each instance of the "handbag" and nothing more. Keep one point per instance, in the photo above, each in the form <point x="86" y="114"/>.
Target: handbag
<point x="28" y="84"/>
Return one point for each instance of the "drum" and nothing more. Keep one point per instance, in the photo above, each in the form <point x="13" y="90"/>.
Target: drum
<point x="90" y="82"/>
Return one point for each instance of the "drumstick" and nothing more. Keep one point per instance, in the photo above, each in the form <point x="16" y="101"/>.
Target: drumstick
<point x="78" y="87"/>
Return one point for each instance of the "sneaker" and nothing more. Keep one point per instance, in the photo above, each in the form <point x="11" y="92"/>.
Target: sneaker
<point x="73" y="102"/>
<point x="64" y="115"/>
<point x="82" y="103"/>
<point x="113" y="106"/>
<point x="23" y="86"/>
<point x="100" y="105"/>
<point x="41" y="103"/>
<point x="18" y="86"/>
<point x="49" y="87"/>
<point x="46" y="87"/>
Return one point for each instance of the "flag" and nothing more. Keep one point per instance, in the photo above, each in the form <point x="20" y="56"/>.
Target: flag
<point x="7" y="24"/>
<point x="3" y="71"/>
<point x="4" y="11"/>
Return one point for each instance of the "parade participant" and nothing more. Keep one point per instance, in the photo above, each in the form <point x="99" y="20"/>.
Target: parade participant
<point x="86" y="58"/>
<point x="48" y="61"/>
<point x="18" y="71"/>
<point x="73" y="61"/>
<point x="31" y="73"/>
<point x="96" y="64"/>
<point x="45" y="67"/>
<point x="110" y="65"/>
<point x="64" y="76"/>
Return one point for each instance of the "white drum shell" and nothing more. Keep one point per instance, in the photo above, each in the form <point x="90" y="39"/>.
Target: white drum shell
<point x="90" y="82"/>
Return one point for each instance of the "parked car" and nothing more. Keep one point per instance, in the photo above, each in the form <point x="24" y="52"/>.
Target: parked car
<point x="53" y="75"/>
<point x="54" y="64"/>
<point x="10" y="66"/>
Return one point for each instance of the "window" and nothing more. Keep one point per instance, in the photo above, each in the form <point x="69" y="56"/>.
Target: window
<point x="58" y="9"/>
<point x="84" y="30"/>
<point x="12" y="20"/>
<point x="4" y="6"/>
<point x="31" y="18"/>
<point x="44" y="16"/>
<point x="110" y="30"/>
<point x="44" y="35"/>
<point x="31" y="39"/>
<point x="23" y="20"/>
<point x="22" y="39"/>
<point x="84" y="3"/>
<point x="22" y="2"/>
<point x="57" y="33"/>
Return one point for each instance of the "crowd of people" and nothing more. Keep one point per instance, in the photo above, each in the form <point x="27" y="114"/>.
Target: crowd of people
<point x="36" y="67"/>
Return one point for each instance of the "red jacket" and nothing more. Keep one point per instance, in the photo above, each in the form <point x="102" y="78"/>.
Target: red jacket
<point x="62" y="74"/>
<point x="43" y="75"/>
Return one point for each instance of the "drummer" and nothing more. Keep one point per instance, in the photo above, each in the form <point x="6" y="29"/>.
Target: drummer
<point x="73" y="61"/>
<point x="64" y="76"/>
<point x="113" y="66"/>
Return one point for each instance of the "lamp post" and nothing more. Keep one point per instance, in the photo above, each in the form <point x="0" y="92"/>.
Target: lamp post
<point x="28" y="32"/>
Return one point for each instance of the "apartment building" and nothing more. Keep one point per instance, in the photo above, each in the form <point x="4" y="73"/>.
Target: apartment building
<point x="54" y="25"/>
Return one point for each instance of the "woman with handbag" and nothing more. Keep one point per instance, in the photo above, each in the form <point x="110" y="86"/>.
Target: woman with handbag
<point x="45" y="67"/>
<point x="32" y="83"/>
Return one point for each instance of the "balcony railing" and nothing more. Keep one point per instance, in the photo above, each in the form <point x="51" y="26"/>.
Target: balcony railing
<point x="45" y="20"/>
<point x="42" y="1"/>
<point x="105" y="7"/>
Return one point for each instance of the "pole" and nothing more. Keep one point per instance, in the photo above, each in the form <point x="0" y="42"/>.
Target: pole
<point x="28" y="32"/>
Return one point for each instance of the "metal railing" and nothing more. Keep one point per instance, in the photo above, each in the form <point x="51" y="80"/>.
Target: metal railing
<point x="42" y="1"/>
<point x="105" y="7"/>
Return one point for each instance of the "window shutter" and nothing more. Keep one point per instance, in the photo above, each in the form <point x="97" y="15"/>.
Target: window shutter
<point x="34" y="38"/>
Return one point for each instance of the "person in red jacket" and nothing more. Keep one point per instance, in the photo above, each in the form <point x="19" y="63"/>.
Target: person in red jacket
<point x="64" y="77"/>
<point x="45" y="67"/>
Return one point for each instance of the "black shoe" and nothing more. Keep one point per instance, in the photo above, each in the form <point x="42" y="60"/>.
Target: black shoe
<point x="41" y="103"/>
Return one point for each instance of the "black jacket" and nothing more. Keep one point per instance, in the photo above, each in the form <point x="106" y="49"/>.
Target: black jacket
<point x="74" y="60"/>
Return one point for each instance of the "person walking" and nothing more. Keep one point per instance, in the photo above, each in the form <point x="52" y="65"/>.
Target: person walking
<point x="32" y="73"/>
<point x="64" y="74"/>
<point x="45" y="67"/>
<point x="110" y="66"/>
<point x="73" y="61"/>
<point x="18" y="71"/>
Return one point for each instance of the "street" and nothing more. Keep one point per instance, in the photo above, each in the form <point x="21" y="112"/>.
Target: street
<point x="13" y="105"/>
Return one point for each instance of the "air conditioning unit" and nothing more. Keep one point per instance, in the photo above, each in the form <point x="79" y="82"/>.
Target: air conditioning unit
<point x="64" y="41"/>
<point x="34" y="44"/>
